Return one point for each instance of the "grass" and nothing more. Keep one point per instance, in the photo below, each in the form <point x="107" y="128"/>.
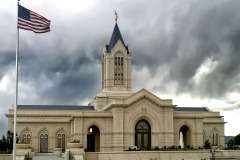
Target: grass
<point x="5" y="152"/>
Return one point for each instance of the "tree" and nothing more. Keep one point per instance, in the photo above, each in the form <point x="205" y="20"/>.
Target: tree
<point x="3" y="143"/>
<point x="237" y="139"/>
<point x="207" y="144"/>
<point x="231" y="143"/>
<point x="7" y="143"/>
<point x="10" y="139"/>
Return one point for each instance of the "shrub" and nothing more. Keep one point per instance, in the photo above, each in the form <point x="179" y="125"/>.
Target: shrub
<point x="207" y="144"/>
<point x="75" y="141"/>
<point x="179" y="147"/>
<point x="156" y="148"/>
<point x="5" y="152"/>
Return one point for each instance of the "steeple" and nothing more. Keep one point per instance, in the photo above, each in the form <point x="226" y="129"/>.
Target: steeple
<point x="116" y="35"/>
<point x="116" y="71"/>
<point x="116" y="64"/>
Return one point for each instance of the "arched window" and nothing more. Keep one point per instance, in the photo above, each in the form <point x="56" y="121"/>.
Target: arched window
<point x="59" y="141"/>
<point x="118" y="70"/>
<point x="63" y="141"/>
<point x="24" y="138"/>
<point x="43" y="143"/>
<point x="215" y="138"/>
<point x="143" y="134"/>
<point x="204" y="137"/>
<point x="213" y="143"/>
<point x="28" y="138"/>
<point x="216" y="141"/>
<point x="46" y="143"/>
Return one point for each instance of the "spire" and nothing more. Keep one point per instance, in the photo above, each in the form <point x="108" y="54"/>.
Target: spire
<point x="116" y="35"/>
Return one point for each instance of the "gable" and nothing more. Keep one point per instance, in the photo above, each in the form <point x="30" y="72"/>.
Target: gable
<point x="144" y="104"/>
<point x="142" y="94"/>
<point x="119" y="46"/>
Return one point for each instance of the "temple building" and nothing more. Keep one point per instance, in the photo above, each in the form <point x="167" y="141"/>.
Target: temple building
<point x="118" y="118"/>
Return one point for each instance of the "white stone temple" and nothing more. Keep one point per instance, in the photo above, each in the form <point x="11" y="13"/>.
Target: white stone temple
<point x="117" y="118"/>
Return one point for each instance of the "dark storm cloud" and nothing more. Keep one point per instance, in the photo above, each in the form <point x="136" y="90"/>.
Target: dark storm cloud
<point x="70" y="76"/>
<point x="199" y="31"/>
<point x="7" y="61"/>
<point x="64" y="66"/>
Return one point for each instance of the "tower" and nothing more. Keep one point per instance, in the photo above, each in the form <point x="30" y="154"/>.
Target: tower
<point x="116" y="71"/>
<point x="116" y="64"/>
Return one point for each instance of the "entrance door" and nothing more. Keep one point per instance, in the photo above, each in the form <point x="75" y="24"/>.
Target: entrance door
<point x="186" y="136"/>
<point x="143" y="134"/>
<point x="44" y="143"/>
<point x="93" y="139"/>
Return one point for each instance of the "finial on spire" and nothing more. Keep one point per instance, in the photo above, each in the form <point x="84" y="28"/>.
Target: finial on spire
<point x="116" y="16"/>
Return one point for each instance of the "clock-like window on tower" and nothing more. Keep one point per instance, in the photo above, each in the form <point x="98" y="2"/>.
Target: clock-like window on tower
<point x="118" y="70"/>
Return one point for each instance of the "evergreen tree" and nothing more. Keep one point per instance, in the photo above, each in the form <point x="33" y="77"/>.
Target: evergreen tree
<point x="207" y="144"/>
<point x="7" y="143"/>
<point x="237" y="139"/>
<point x="231" y="143"/>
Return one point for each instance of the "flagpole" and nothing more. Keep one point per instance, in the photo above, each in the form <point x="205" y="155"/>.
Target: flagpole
<point x="16" y="94"/>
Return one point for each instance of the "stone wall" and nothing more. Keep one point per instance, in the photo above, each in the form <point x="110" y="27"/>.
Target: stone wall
<point x="5" y="157"/>
<point x="147" y="155"/>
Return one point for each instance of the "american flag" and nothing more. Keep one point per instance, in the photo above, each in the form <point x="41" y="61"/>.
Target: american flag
<point x="32" y="21"/>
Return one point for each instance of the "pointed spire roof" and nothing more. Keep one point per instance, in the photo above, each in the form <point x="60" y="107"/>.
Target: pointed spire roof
<point x="116" y="35"/>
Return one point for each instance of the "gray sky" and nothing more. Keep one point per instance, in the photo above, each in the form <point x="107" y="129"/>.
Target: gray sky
<point x="185" y="50"/>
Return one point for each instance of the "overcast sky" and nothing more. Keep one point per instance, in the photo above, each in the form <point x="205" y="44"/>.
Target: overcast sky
<point x="185" y="50"/>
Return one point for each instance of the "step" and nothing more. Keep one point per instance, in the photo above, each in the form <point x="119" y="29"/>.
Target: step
<point x="44" y="154"/>
<point x="47" y="158"/>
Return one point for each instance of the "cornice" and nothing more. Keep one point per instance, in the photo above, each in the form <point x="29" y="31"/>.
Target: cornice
<point x="88" y="116"/>
<point x="187" y="117"/>
<point x="43" y="122"/>
<point x="214" y="122"/>
<point x="37" y="115"/>
<point x="213" y="116"/>
<point x="54" y="115"/>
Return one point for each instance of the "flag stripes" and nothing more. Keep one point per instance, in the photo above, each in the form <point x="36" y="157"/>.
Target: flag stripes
<point x="32" y="21"/>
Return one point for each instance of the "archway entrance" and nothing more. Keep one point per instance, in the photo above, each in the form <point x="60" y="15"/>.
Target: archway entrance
<point x="43" y="143"/>
<point x="184" y="137"/>
<point x="93" y="139"/>
<point x="143" y="134"/>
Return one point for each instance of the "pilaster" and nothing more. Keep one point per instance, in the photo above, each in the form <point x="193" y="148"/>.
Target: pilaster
<point x="78" y="132"/>
<point x="118" y="141"/>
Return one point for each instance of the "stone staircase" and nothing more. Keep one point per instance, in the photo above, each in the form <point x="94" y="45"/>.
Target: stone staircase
<point x="46" y="156"/>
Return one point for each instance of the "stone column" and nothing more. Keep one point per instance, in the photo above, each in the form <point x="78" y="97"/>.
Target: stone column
<point x="118" y="129"/>
<point x="35" y="144"/>
<point x="169" y="136"/>
<point x="78" y="129"/>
